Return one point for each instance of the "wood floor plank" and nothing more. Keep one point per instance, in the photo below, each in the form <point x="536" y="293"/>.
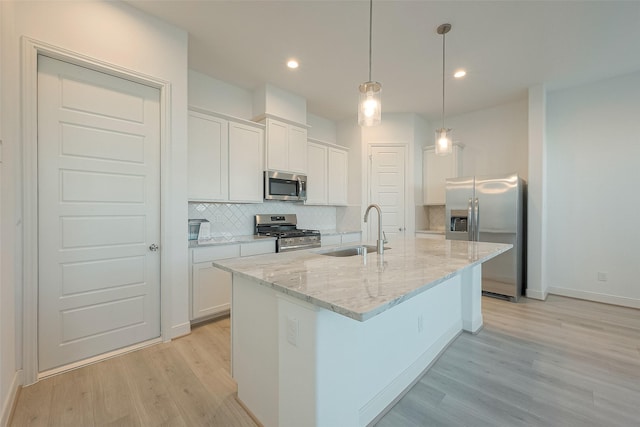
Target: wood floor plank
<point x="559" y="362"/>
<point x="562" y="362"/>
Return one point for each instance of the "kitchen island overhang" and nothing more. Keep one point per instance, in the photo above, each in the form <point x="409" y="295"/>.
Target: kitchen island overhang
<point x="325" y="341"/>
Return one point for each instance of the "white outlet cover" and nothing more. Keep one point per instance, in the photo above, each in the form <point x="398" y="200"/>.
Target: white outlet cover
<point x="292" y="331"/>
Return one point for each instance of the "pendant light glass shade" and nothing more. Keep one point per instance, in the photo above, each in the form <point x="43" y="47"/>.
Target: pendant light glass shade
<point x="370" y="108"/>
<point x="370" y="105"/>
<point x="444" y="144"/>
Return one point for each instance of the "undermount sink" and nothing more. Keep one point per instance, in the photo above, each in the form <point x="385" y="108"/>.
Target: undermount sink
<point x="351" y="251"/>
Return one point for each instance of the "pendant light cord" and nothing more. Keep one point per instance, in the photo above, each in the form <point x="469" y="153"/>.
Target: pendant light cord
<point x="443" y="48"/>
<point x="370" y="31"/>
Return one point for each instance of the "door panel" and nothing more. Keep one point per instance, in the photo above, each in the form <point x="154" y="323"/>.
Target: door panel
<point x="98" y="213"/>
<point x="387" y="181"/>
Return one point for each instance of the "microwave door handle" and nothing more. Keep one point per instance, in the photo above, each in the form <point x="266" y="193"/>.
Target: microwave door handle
<point x="470" y="219"/>
<point x="299" y="192"/>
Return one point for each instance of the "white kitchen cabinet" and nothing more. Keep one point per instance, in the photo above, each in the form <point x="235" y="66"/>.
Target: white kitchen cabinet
<point x="207" y="158"/>
<point x="435" y="170"/>
<point x="351" y="237"/>
<point x="286" y="146"/>
<point x="245" y="163"/>
<point x="327" y="178"/>
<point x="337" y="173"/>
<point x="341" y="239"/>
<point x="317" y="181"/>
<point x="211" y="286"/>
<point x="225" y="159"/>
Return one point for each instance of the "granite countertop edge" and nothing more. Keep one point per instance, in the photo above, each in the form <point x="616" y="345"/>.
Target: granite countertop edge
<point x="368" y="311"/>
<point x="227" y="240"/>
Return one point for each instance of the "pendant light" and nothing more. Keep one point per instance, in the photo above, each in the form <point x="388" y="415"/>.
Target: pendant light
<point x="370" y="106"/>
<point x="444" y="145"/>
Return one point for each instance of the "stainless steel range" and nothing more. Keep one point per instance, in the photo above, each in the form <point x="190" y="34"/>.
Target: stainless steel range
<point x="288" y="236"/>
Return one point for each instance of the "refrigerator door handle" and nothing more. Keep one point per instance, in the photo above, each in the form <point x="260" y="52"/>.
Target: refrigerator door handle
<point x="470" y="219"/>
<point x="476" y="221"/>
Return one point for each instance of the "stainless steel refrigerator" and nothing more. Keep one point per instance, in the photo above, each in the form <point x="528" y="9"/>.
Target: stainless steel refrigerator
<point x="491" y="209"/>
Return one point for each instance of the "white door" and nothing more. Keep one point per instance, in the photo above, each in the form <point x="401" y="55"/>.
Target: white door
<point x="98" y="213"/>
<point x="387" y="189"/>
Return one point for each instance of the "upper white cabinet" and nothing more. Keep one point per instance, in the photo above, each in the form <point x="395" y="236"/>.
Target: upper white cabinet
<point x="317" y="174"/>
<point x="225" y="159"/>
<point x="245" y="163"/>
<point x="208" y="158"/>
<point x="326" y="173"/>
<point x="286" y="146"/>
<point x="337" y="167"/>
<point x="435" y="170"/>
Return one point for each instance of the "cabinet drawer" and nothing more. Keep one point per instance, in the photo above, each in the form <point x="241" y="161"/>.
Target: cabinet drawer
<point x="215" y="252"/>
<point x="258" y="248"/>
<point x="332" y="239"/>
<point x="351" y="237"/>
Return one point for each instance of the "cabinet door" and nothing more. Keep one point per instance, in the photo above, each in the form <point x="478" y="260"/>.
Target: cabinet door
<point x="245" y="163"/>
<point x="297" y="149"/>
<point x="316" y="174"/>
<point x="436" y="170"/>
<point x="337" y="174"/>
<point x="211" y="291"/>
<point x="277" y="145"/>
<point x="207" y="158"/>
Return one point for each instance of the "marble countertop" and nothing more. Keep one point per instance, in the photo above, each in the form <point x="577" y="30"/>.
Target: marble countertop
<point x="226" y="240"/>
<point x="441" y="232"/>
<point x="334" y="231"/>
<point x="362" y="287"/>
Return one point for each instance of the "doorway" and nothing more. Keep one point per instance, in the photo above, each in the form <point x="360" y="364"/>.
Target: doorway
<point x="98" y="213"/>
<point x="387" y="188"/>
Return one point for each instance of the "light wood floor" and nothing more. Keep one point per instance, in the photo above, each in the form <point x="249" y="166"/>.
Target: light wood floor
<point x="562" y="362"/>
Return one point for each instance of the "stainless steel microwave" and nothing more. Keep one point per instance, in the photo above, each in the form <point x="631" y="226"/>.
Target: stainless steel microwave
<point x="285" y="186"/>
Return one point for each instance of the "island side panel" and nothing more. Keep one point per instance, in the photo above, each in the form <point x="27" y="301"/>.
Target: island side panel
<point x="359" y="368"/>
<point x="254" y="329"/>
<point x="472" y="299"/>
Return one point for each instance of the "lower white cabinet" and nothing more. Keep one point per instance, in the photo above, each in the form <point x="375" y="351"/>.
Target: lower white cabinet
<point x="211" y="286"/>
<point x="341" y="239"/>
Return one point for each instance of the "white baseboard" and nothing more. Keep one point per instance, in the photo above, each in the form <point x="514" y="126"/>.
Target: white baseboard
<point x="373" y="410"/>
<point x="10" y="400"/>
<point x="531" y="293"/>
<point x="180" y="330"/>
<point x="594" y="296"/>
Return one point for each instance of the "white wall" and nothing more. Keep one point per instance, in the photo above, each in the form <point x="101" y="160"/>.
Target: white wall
<point x="593" y="170"/>
<point x="495" y="139"/>
<point x="218" y="96"/>
<point x="322" y="129"/>
<point x="117" y="34"/>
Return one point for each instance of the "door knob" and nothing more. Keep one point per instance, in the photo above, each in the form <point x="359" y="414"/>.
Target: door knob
<point x="153" y="247"/>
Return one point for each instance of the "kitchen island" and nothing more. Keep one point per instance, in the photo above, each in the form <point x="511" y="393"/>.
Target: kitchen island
<point x="319" y="340"/>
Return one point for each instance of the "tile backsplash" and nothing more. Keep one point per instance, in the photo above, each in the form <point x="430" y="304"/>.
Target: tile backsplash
<point x="229" y="219"/>
<point x="435" y="218"/>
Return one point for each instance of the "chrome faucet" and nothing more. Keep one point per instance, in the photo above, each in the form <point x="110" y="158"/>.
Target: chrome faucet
<point x="381" y="237"/>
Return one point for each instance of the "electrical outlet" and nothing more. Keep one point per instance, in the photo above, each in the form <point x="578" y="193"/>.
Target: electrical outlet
<point x="420" y="323"/>
<point x="292" y="331"/>
<point x="602" y="276"/>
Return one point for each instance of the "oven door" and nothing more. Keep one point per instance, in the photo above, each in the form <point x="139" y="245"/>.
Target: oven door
<point x="284" y="186"/>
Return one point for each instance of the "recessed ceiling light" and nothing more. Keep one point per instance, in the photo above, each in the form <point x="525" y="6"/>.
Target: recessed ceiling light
<point x="459" y="74"/>
<point x="293" y="64"/>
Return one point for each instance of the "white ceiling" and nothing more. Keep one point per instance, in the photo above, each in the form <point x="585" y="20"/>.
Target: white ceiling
<point x="506" y="47"/>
